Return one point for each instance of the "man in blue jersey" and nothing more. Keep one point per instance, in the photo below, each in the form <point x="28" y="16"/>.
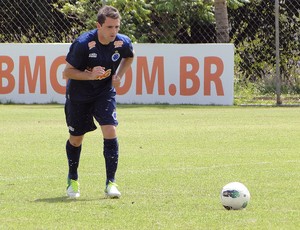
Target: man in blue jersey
<point x="96" y="62"/>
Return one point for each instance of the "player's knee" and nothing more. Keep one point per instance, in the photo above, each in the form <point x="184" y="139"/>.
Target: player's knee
<point x="76" y="141"/>
<point x="109" y="131"/>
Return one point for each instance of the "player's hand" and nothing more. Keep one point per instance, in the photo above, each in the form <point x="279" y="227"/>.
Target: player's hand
<point x="99" y="73"/>
<point x="116" y="81"/>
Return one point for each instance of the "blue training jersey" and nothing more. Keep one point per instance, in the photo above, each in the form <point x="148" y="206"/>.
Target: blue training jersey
<point x="87" y="52"/>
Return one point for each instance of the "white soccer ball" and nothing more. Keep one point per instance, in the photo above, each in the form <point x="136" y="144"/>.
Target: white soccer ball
<point x="235" y="196"/>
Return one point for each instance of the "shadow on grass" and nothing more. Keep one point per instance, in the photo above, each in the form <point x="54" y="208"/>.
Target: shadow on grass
<point x="64" y="199"/>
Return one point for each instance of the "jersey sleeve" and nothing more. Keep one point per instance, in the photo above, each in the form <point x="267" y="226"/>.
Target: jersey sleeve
<point x="77" y="55"/>
<point x="128" y="48"/>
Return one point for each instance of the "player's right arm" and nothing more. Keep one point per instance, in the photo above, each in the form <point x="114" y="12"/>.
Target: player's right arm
<point x="70" y="72"/>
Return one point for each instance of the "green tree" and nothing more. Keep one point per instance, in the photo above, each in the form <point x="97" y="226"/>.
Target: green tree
<point x="154" y="21"/>
<point x="32" y="21"/>
<point x="253" y="33"/>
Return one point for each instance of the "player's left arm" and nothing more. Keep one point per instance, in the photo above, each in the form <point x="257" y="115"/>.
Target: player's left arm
<point x="123" y="67"/>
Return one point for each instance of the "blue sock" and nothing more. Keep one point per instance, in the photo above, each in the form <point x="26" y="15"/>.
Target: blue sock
<point x="111" y="155"/>
<point x="73" y="155"/>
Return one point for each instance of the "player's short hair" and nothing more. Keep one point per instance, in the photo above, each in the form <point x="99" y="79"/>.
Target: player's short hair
<point x="107" y="12"/>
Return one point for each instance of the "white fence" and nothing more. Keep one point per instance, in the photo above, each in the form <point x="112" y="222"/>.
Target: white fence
<point x="161" y="73"/>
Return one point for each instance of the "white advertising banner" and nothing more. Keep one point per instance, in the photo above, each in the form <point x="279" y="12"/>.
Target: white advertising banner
<point x="161" y="73"/>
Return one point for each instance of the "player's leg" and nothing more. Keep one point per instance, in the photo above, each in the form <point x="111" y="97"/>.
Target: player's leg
<point x="73" y="149"/>
<point x="111" y="156"/>
<point x="105" y="114"/>
<point x="79" y="121"/>
<point x="110" y="151"/>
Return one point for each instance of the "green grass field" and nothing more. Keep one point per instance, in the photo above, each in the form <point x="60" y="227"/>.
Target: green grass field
<point x="174" y="161"/>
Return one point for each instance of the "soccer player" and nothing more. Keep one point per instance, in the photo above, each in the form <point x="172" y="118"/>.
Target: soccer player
<point x="96" y="61"/>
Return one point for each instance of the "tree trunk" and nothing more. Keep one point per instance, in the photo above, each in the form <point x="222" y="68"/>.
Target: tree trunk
<point x="221" y="16"/>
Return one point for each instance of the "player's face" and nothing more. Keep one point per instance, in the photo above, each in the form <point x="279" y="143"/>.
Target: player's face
<point x="108" y="31"/>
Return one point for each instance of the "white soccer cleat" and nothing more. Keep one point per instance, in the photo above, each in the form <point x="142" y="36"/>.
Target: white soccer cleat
<point x="111" y="190"/>
<point x="73" y="189"/>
